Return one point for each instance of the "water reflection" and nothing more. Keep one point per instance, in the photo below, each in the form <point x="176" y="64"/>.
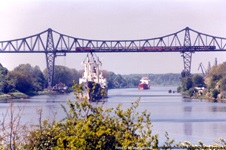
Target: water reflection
<point x="188" y="128"/>
<point x="218" y="109"/>
<point x="187" y="109"/>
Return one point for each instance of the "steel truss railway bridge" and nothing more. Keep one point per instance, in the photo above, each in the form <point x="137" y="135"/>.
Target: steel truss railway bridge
<point x="53" y="44"/>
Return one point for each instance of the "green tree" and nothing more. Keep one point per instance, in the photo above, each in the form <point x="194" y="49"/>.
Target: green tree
<point x="26" y="79"/>
<point x="119" y="81"/>
<point x="191" y="92"/>
<point x="65" y="75"/>
<point x="198" y="81"/>
<point x="223" y="86"/>
<point x="187" y="83"/>
<point x="90" y="127"/>
<point x="215" y="93"/>
<point x="21" y="81"/>
<point x="39" y="79"/>
<point x="110" y="78"/>
<point x="3" y="82"/>
<point x="222" y="69"/>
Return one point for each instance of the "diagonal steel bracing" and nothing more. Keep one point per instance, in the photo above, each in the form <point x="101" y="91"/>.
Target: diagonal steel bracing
<point x="53" y="44"/>
<point x="187" y="55"/>
<point x="50" y="58"/>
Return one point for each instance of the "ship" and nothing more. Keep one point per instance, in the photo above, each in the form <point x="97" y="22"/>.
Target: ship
<point x="93" y="82"/>
<point x="144" y="83"/>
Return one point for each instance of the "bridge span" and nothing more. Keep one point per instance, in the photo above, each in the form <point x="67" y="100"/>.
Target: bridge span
<point x="53" y="44"/>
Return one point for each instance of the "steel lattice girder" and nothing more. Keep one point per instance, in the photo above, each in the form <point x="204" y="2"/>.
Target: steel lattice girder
<point x="187" y="56"/>
<point x="175" y="42"/>
<point x="53" y="44"/>
<point x="50" y="58"/>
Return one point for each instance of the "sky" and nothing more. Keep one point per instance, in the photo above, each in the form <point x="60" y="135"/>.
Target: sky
<point x="113" y="20"/>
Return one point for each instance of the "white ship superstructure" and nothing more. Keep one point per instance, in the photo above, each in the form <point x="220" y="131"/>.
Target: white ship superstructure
<point x="144" y="83"/>
<point x="93" y="75"/>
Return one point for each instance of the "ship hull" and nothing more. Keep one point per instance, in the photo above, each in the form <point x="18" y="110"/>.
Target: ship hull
<point x="95" y="91"/>
<point x="94" y="84"/>
<point x="143" y="86"/>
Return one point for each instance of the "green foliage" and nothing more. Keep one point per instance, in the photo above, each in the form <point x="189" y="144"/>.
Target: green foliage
<point x="39" y="79"/>
<point x="179" y="89"/>
<point x="29" y="80"/>
<point x="216" y="80"/>
<point x="156" y="79"/>
<point x="90" y="127"/>
<point x="44" y="137"/>
<point x="132" y="80"/>
<point x="198" y="81"/>
<point x="65" y="75"/>
<point x="187" y="83"/>
<point x="95" y="91"/>
<point x="191" y="92"/>
<point x="21" y="81"/>
<point x="115" y="81"/>
<point x="78" y="89"/>
<point x="215" y="93"/>
<point x="3" y="83"/>
<point x="185" y="74"/>
<point x="3" y="70"/>
<point x="223" y="86"/>
<point x="168" y="143"/>
<point x="26" y="78"/>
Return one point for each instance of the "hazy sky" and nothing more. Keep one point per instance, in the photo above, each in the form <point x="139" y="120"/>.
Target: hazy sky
<point x="112" y="20"/>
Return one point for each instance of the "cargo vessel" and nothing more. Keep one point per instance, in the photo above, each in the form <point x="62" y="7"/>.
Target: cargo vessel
<point x="93" y="81"/>
<point x="144" y="84"/>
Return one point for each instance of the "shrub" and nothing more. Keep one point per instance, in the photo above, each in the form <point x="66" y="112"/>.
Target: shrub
<point x="90" y="127"/>
<point x="215" y="93"/>
<point x="191" y="92"/>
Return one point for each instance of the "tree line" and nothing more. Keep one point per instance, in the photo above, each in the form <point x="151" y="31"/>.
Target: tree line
<point x="29" y="80"/>
<point x="212" y="85"/>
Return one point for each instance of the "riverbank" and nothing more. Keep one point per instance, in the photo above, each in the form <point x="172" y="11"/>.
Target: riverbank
<point x="13" y="95"/>
<point x="205" y="96"/>
<point x="19" y="95"/>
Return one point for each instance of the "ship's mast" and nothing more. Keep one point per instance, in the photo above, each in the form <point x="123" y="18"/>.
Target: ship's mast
<point x="97" y="64"/>
<point x="92" y="68"/>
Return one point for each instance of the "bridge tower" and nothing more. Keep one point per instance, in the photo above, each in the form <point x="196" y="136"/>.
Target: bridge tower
<point x="50" y="58"/>
<point x="187" y="56"/>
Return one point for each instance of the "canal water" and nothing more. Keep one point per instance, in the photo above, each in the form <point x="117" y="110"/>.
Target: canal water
<point x="184" y="119"/>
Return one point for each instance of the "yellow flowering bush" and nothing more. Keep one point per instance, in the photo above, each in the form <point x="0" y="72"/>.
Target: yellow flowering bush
<point x="90" y="127"/>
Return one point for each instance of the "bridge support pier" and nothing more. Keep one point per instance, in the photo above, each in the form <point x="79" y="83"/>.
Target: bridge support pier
<point x="187" y="57"/>
<point x="50" y="61"/>
<point x="50" y="58"/>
